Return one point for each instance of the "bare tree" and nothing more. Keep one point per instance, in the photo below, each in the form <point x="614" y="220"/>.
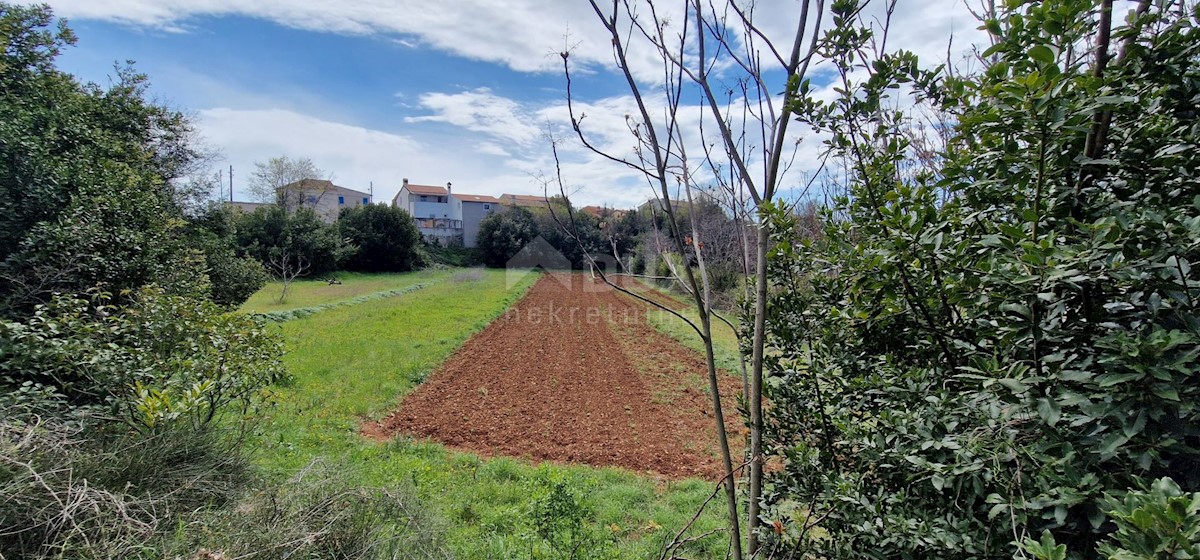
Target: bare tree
<point x="287" y="265"/>
<point x="715" y="43"/>
<point x="269" y="180"/>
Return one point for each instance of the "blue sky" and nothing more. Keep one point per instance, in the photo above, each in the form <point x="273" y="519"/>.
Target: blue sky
<point x="380" y="90"/>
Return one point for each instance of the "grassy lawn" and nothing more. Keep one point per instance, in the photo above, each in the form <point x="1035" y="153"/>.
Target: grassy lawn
<point x="357" y="361"/>
<point x="308" y="293"/>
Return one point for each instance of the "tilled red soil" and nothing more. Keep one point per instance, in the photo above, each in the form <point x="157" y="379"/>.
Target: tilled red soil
<point x="572" y="373"/>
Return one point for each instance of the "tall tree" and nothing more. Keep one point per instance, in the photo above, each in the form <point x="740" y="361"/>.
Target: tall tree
<point x="86" y="195"/>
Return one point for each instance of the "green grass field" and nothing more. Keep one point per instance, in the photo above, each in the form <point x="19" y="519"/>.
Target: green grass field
<point x="308" y="293"/>
<point x="355" y="362"/>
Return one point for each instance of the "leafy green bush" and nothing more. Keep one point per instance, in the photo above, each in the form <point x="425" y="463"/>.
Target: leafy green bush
<point x="503" y="234"/>
<point x="435" y="255"/>
<point x="86" y="175"/>
<point x="986" y="344"/>
<point x="1160" y="522"/>
<point x="160" y="360"/>
<point x="233" y="279"/>
<point x="299" y="238"/>
<point x="386" y="237"/>
<point x="561" y="527"/>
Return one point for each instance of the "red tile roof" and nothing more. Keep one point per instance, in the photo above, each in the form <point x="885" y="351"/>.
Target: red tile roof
<point x="426" y="189"/>
<point x="477" y="198"/>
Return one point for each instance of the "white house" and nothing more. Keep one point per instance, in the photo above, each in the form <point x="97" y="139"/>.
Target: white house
<point x="437" y="213"/>
<point x="444" y="216"/>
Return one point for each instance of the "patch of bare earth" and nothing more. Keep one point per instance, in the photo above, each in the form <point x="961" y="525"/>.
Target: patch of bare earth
<point x="573" y="373"/>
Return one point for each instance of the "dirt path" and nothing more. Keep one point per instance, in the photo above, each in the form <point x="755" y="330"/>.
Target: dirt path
<point x="573" y="373"/>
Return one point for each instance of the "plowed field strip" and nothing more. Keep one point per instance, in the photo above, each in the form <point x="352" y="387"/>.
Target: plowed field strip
<point x="574" y="373"/>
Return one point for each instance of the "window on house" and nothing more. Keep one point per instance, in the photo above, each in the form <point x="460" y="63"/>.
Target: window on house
<point x="312" y="199"/>
<point x="341" y="200"/>
<point x="487" y="206"/>
<point x="423" y="199"/>
<point x="366" y="201"/>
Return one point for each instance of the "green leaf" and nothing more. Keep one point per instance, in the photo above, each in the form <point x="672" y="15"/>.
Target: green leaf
<point x="1168" y="393"/>
<point x="1042" y="53"/>
<point x="1049" y="410"/>
<point x="1110" y="444"/>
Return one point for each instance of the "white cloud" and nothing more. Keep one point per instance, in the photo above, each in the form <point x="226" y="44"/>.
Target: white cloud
<point x="524" y="35"/>
<point x="480" y="110"/>
<point x="505" y="135"/>
<point x="356" y="156"/>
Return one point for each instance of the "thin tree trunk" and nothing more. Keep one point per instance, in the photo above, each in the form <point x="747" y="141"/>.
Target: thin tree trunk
<point x="756" y="415"/>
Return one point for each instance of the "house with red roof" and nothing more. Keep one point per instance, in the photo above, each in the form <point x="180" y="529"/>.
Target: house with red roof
<point x="443" y="216"/>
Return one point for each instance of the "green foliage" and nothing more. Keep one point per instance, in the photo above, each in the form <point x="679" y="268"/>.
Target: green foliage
<point x="386" y="237"/>
<point x="159" y="361"/>
<point x="273" y="235"/>
<point x="559" y="521"/>
<point x="1161" y="522"/>
<point x="987" y="344"/>
<point x="586" y="228"/>
<point x="86" y="192"/>
<point x="503" y="234"/>
<point x="436" y="255"/>
<point x="233" y="278"/>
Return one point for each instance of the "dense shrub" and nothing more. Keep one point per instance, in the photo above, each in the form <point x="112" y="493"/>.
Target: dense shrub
<point x="985" y="345"/>
<point x="295" y="241"/>
<point x="157" y="361"/>
<point x="386" y="237"/>
<point x="435" y="255"/>
<point x="503" y="234"/>
<point x="233" y="277"/>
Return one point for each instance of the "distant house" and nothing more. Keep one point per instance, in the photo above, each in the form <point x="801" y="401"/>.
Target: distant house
<point x="324" y="197"/>
<point x="475" y="207"/>
<point x="438" y="214"/>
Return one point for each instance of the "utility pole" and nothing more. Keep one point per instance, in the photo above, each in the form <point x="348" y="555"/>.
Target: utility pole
<point x="371" y="191"/>
<point x="230" y="183"/>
